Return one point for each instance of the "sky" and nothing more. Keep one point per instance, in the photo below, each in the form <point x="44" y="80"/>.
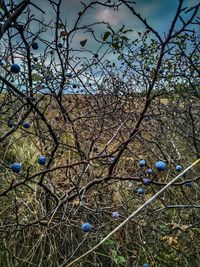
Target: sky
<point x="159" y="13"/>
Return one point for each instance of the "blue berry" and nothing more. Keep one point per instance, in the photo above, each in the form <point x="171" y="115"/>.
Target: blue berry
<point x="15" y="68"/>
<point x="160" y="165"/>
<point x="146" y="181"/>
<point x="16" y="167"/>
<point x="32" y="98"/>
<point x="142" y="163"/>
<point x="161" y="71"/>
<point x="42" y="160"/>
<point x="1" y="62"/>
<point x="140" y="191"/>
<point x="26" y="124"/>
<point x="86" y="227"/>
<point x="179" y="168"/>
<point x="35" y="46"/>
<point x="150" y="171"/>
<point x="111" y="160"/>
<point x="68" y="75"/>
<point x="115" y="214"/>
<point x="147" y="117"/>
<point x="60" y="45"/>
<point x="10" y="124"/>
<point x="189" y="183"/>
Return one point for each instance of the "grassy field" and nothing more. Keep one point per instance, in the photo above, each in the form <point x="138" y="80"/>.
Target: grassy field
<point x="35" y="231"/>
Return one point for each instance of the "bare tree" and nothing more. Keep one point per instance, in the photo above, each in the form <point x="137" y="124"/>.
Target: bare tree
<point x="82" y="129"/>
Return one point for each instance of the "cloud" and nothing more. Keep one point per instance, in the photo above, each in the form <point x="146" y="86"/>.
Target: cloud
<point x="111" y="16"/>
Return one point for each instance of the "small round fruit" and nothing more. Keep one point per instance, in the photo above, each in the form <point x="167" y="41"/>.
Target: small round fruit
<point x="35" y="46"/>
<point x="26" y="124"/>
<point x="142" y="50"/>
<point x="74" y="86"/>
<point x="161" y="71"/>
<point x="146" y="181"/>
<point x="111" y="160"/>
<point x="86" y="227"/>
<point x="138" y="173"/>
<point x="140" y="191"/>
<point x="42" y="160"/>
<point x="69" y="75"/>
<point x="35" y="59"/>
<point x="115" y="214"/>
<point x="96" y="55"/>
<point x="15" y="68"/>
<point x="10" y="124"/>
<point x="160" y="165"/>
<point x="189" y="183"/>
<point x="60" y="45"/>
<point x="179" y="168"/>
<point x="150" y="171"/>
<point x="147" y="117"/>
<point x="16" y="167"/>
<point x="142" y="163"/>
<point x="146" y="265"/>
<point x="32" y="98"/>
<point x="147" y="68"/>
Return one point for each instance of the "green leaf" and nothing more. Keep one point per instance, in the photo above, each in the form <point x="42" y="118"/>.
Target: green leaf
<point x="38" y="66"/>
<point x="49" y="72"/>
<point x="109" y="242"/>
<point x="36" y="77"/>
<point x="197" y="230"/>
<point x="115" y="46"/>
<point x="118" y="259"/>
<point x="175" y="68"/>
<point x="164" y="227"/>
<point x="124" y="38"/>
<point x="6" y="66"/>
<point x="105" y="36"/>
<point x="83" y="42"/>
<point x="121" y="260"/>
<point x="128" y="31"/>
<point x="59" y="25"/>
